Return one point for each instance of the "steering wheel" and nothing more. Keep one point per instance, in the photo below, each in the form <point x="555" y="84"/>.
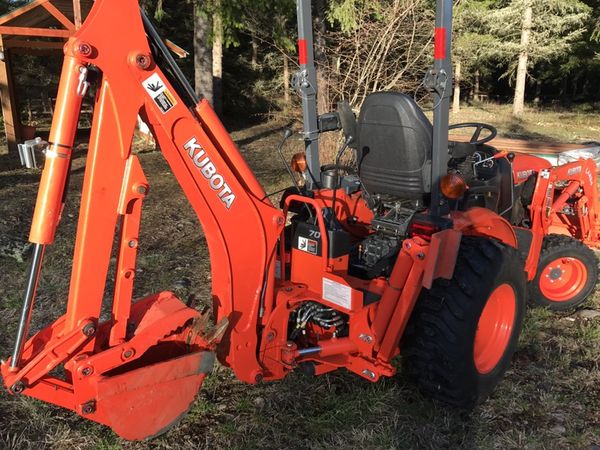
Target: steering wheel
<point x="479" y="127"/>
<point x="347" y="169"/>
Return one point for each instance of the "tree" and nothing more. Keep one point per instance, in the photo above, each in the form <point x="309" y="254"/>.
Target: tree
<point x="526" y="25"/>
<point x="213" y="22"/>
<point x="217" y="58"/>
<point x="203" y="61"/>
<point x="471" y="46"/>
<point x="378" y="45"/>
<point x="528" y="32"/>
<point x="272" y="25"/>
<point x="8" y="5"/>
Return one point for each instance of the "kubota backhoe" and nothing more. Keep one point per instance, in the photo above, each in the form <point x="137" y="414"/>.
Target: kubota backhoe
<point x="349" y="273"/>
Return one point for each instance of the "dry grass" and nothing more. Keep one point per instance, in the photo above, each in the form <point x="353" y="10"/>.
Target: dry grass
<point x="550" y="398"/>
<point x="552" y="126"/>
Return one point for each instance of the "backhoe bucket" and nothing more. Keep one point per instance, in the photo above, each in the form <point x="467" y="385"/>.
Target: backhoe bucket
<point x="139" y="388"/>
<point x="146" y="402"/>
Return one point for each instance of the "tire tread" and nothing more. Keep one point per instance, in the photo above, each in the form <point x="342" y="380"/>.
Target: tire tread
<point x="439" y="337"/>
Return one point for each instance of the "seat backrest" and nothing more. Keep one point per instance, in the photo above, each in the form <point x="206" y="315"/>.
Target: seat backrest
<point x="395" y="140"/>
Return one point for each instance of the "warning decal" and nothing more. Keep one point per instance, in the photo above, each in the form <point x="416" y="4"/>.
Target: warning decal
<point x="157" y="89"/>
<point x="308" y="245"/>
<point x="337" y="293"/>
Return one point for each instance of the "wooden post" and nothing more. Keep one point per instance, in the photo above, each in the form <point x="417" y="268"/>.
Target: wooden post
<point x="77" y="14"/>
<point x="457" y="80"/>
<point x="58" y="15"/>
<point x="10" y="114"/>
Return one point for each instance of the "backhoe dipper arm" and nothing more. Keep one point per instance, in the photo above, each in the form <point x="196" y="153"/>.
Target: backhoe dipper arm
<point x="241" y="229"/>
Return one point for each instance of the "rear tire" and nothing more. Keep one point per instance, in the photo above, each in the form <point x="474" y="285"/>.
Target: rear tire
<point x="463" y="332"/>
<point x="566" y="276"/>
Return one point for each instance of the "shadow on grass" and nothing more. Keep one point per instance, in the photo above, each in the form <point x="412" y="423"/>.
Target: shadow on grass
<point x="338" y="410"/>
<point x="262" y="134"/>
<point x="517" y="130"/>
<point x="9" y="161"/>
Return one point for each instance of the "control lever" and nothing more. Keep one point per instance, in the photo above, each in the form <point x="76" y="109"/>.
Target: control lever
<point x="286" y="135"/>
<point x="336" y="177"/>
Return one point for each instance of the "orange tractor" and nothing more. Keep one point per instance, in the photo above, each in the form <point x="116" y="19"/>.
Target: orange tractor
<point x="349" y="273"/>
<point x="555" y="211"/>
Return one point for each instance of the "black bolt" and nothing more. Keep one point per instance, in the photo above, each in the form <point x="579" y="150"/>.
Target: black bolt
<point x="89" y="330"/>
<point x="143" y="61"/>
<point x="85" y="49"/>
<point x="259" y="377"/>
<point x="87" y="371"/>
<point x="89" y="407"/>
<point x="17" y="388"/>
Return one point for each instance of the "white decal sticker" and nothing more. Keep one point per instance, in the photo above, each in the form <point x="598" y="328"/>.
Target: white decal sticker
<point x="202" y="161"/>
<point x="308" y="245"/>
<point x="157" y="89"/>
<point x="337" y="293"/>
<point x="524" y="174"/>
<point x="590" y="176"/>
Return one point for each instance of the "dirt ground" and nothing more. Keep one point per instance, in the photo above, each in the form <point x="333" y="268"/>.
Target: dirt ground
<point x="550" y="398"/>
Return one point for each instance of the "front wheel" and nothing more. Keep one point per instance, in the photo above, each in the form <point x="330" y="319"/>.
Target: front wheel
<point x="463" y="332"/>
<point x="567" y="273"/>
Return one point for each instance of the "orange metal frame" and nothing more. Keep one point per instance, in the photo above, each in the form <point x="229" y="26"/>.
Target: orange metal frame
<point x="566" y="201"/>
<point x="153" y="353"/>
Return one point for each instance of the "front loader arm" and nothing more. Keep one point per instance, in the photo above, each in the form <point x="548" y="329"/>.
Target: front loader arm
<point x="241" y="228"/>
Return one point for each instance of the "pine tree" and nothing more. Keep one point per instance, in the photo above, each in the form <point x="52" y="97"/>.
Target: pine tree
<point x="528" y="32"/>
<point x="471" y="43"/>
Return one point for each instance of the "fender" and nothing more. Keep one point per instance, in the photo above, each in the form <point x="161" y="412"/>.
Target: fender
<point x="524" y="166"/>
<point x="485" y="223"/>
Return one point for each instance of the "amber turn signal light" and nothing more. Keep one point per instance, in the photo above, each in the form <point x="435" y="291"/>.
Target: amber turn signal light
<point x="299" y="162"/>
<point x="453" y="186"/>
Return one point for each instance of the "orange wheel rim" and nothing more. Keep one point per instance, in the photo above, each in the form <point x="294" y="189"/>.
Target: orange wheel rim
<point x="495" y="328"/>
<point x="563" y="279"/>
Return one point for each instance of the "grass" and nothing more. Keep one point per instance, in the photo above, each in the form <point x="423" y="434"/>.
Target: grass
<point x="548" y="400"/>
<point x="545" y="125"/>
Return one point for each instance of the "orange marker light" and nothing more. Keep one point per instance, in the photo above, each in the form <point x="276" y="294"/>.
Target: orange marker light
<point x="453" y="186"/>
<point x="299" y="162"/>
